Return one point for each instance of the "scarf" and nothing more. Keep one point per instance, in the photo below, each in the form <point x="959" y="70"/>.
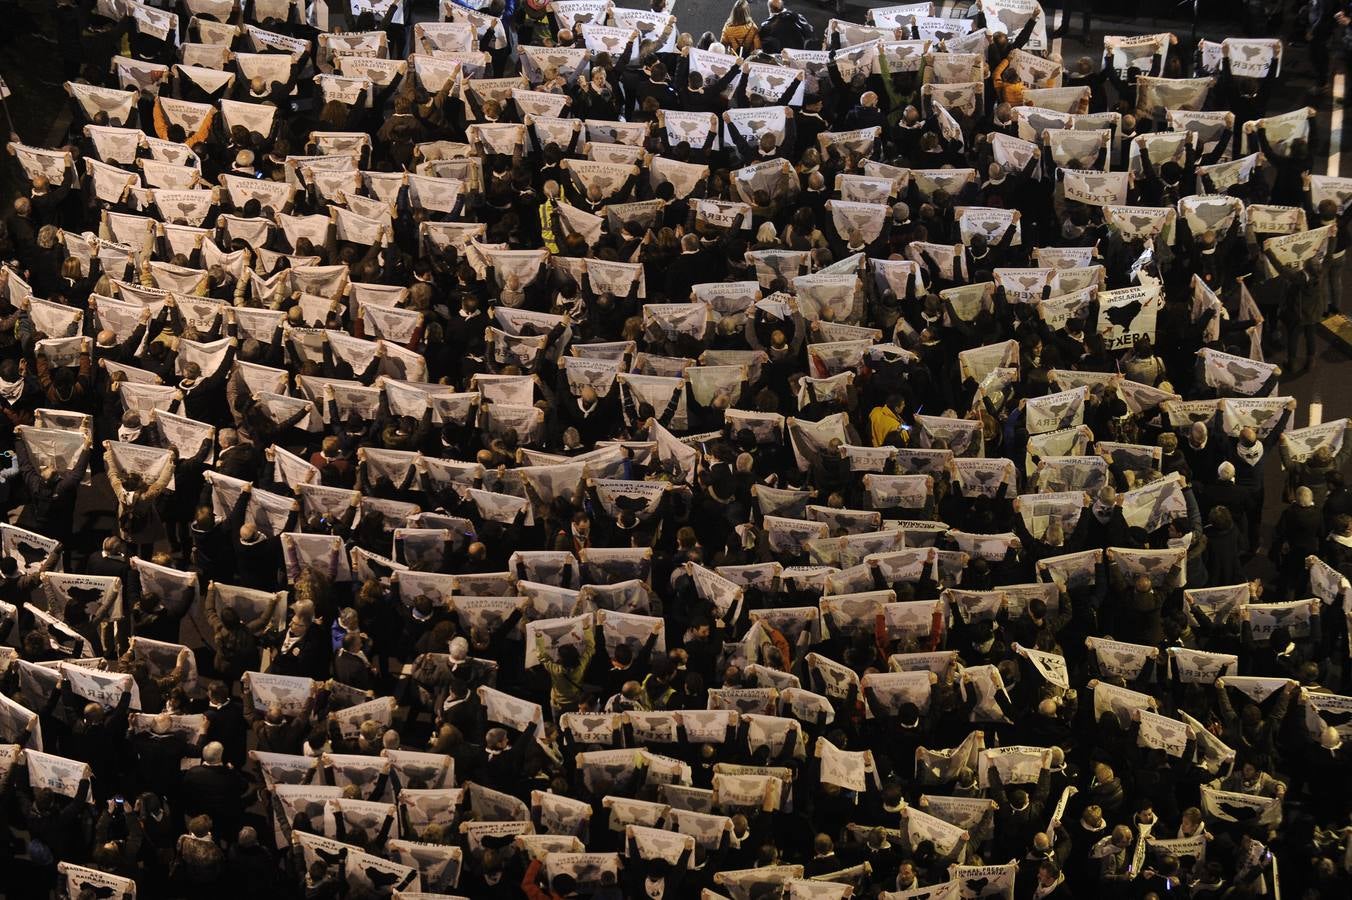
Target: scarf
<point x="1093" y="830"/>
<point x="1249" y="455"/>
<point x="11" y="391"/>
<point x="452" y="702"/>
<point x="551" y="750"/>
<point x="290" y="641"/>
<point x="581" y="541"/>
<point x="1043" y="890"/>
<point x="201" y="840"/>
<point x="575" y="307"/>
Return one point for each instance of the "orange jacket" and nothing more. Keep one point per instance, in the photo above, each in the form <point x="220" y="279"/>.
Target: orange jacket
<point x="781" y="644"/>
<point x="1010" y="92"/>
<point x="530" y="885"/>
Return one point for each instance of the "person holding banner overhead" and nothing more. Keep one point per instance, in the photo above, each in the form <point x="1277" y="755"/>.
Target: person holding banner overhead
<point x="839" y="470"/>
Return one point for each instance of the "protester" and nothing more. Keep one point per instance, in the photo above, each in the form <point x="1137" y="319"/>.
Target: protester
<point x="545" y="452"/>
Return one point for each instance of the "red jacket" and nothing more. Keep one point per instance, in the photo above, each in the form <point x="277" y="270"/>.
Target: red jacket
<point x="530" y="885"/>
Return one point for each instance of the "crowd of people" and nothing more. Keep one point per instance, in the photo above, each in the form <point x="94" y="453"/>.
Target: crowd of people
<point x="541" y="452"/>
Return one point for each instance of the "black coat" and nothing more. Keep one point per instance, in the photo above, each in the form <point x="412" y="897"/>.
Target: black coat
<point x="227" y="726"/>
<point x="466" y="716"/>
<point x="309" y="657"/>
<point x="685" y="270"/>
<point x="601" y="423"/>
<point x="1299" y="531"/>
<point x="1237" y="499"/>
<point x="253" y="871"/>
<point x="789" y="29"/>
<point x="503" y="771"/>
<point x="215" y="791"/>
<point x="101" y="744"/>
<point x="157" y="761"/>
<point x="1224" y="549"/>
<point x="352" y="671"/>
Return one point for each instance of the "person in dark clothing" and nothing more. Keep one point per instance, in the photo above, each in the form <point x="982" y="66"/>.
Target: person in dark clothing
<point x="214" y="789"/>
<point x="501" y="770"/>
<point x="303" y="649"/>
<point x="1298" y="536"/>
<point x="1225" y="547"/>
<point x="812" y="421"/>
<point x="784" y="29"/>
<point x="52" y="490"/>
<point x="160" y="752"/>
<point x="98" y="736"/>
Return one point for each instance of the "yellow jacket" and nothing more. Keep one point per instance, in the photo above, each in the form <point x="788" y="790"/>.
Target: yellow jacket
<point x="741" y="40"/>
<point x="1010" y="91"/>
<point x="547" y="212"/>
<point x="882" y="421"/>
